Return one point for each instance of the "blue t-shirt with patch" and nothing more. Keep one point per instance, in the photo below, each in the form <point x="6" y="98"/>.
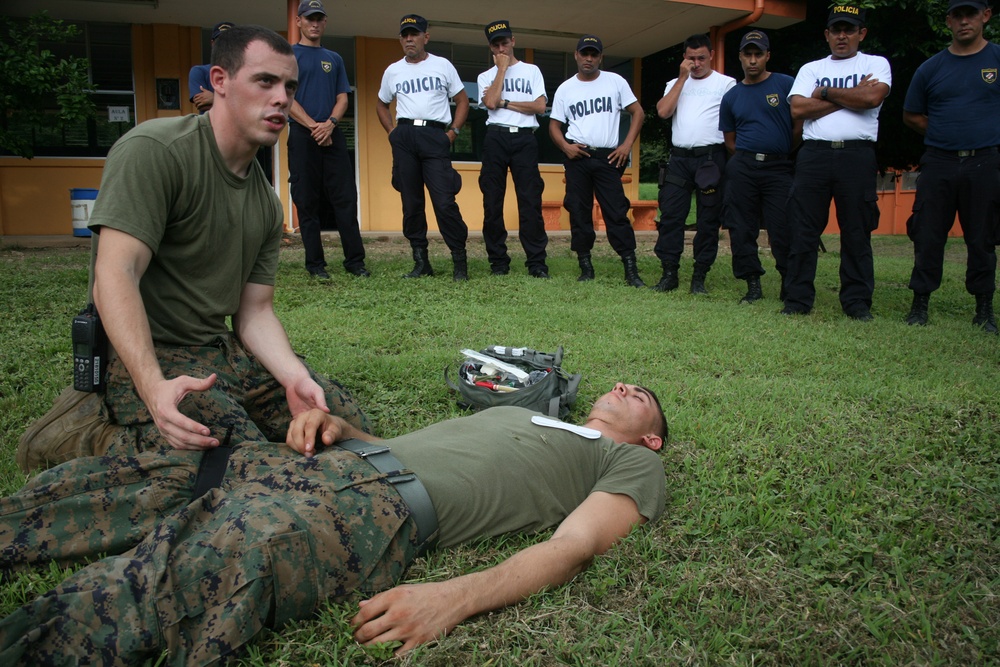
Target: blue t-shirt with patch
<point x="760" y="115"/>
<point x="961" y="97"/>
<point x="322" y="76"/>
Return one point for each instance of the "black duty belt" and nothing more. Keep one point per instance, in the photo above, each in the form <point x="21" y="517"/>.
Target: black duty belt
<point x="508" y="128"/>
<point x="964" y="153"/>
<point x="595" y="153"/>
<point x="419" y="122"/>
<point x="836" y="145"/>
<point x="697" y="151"/>
<point x="764" y="157"/>
<point x="409" y="487"/>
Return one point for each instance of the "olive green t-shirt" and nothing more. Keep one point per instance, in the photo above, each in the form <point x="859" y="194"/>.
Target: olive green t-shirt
<point x="210" y="231"/>
<point x="496" y="472"/>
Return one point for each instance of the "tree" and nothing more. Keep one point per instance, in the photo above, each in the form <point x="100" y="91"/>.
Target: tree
<point x="33" y="81"/>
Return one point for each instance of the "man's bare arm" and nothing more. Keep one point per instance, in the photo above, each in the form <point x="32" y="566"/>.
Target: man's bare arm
<point x="916" y="122"/>
<point x="262" y="334"/>
<point x="461" y="114"/>
<point x="121" y="262"/>
<point x="620" y="154"/>
<point x="384" y="115"/>
<point x="417" y="613"/>
<point x="729" y="138"/>
<point x="667" y="105"/>
<point x="868" y="94"/>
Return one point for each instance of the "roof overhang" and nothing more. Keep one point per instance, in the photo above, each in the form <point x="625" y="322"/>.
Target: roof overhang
<point x="628" y="28"/>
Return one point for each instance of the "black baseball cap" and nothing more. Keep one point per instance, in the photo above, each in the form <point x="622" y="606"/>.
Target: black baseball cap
<point x="412" y="22"/>
<point x="220" y="28"/>
<point x="498" y="29"/>
<point x="977" y="4"/>
<point x="590" y="42"/>
<point x="846" y="14"/>
<point x="756" y="38"/>
<point x="310" y="7"/>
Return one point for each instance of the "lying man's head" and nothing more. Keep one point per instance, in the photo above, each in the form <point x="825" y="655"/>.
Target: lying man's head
<point x="630" y="413"/>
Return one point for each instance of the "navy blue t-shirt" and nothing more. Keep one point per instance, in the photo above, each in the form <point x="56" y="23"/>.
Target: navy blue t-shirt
<point x="198" y="79"/>
<point x="759" y="114"/>
<point x="322" y="76"/>
<point x="961" y="97"/>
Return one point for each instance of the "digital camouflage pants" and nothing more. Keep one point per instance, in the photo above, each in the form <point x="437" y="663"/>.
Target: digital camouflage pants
<point x="245" y="395"/>
<point x="199" y="578"/>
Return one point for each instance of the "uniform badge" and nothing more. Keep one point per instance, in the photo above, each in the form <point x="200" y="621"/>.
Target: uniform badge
<point x="772" y="99"/>
<point x="327" y="66"/>
<point x="990" y="75"/>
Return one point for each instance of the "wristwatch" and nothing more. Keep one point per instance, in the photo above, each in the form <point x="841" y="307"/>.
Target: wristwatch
<point x="506" y="103"/>
<point x="334" y="121"/>
<point x="456" y="130"/>
<point x="823" y="93"/>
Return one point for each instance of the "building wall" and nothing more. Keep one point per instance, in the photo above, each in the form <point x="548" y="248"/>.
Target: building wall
<point x="34" y="194"/>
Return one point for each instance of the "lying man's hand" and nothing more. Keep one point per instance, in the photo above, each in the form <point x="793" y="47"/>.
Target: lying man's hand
<point x="307" y="429"/>
<point x="413" y="614"/>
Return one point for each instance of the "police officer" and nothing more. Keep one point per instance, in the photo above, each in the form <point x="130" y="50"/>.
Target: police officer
<point x="954" y="101"/>
<point x="422" y="83"/>
<point x="200" y="90"/>
<point x="514" y="93"/>
<point x="320" y="169"/>
<point x="590" y="104"/>
<point x="839" y="98"/>
<point x="697" y="158"/>
<point x="756" y="123"/>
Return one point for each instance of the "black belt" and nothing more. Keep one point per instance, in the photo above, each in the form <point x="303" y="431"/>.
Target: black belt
<point x="966" y="153"/>
<point x="836" y="145"/>
<point x="595" y="153"/>
<point x="697" y="151"/>
<point x="409" y="487"/>
<point x="764" y="157"/>
<point x="421" y="123"/>
<point x="508" y="128"/>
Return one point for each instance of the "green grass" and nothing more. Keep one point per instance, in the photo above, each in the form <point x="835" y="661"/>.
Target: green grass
<point x="833" y="486"/>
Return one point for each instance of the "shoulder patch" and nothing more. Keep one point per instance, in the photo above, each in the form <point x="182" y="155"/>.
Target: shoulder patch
<point x="989" y="74"/>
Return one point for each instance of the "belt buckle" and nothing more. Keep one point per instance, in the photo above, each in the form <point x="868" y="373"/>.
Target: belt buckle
<point x="760" y="157"/>
<point x="836" y="144"/>
<point x="419" y="122"/>
<point x="966" y="153"/>
<point x="513" y="130"/>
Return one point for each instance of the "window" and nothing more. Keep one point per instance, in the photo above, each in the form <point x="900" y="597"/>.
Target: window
<point x="108" y="49"/>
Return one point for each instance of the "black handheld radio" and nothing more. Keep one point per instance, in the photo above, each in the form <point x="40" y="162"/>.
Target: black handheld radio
<point x="90" y="351"/>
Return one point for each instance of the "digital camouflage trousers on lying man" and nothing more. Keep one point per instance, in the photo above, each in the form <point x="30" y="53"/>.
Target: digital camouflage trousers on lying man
<point x="198" y="578"/>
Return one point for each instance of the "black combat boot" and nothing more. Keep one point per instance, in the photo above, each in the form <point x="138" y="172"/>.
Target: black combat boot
<point x="698" y="280"/>
<point x="460" y="273"/>
<point x="984" y="314"/>
<point x="421" y="265"/>
<point x="918" y="311"/>
<point x="754" y="292"/>
<point x="632" y="271"/>
<point x="668" y="281"/>
<point x="586" y="267"/>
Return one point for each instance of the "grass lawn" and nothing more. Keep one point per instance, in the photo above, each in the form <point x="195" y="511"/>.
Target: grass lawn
<point x="833" y="486"/>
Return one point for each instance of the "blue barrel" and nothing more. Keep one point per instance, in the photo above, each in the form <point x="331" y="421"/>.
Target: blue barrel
<point x="81" y="200"/>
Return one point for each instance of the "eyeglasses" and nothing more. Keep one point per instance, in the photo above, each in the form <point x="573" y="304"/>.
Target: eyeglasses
<point x="844" y="29"/>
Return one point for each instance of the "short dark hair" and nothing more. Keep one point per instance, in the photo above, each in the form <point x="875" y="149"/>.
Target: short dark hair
<point x="228" y="50"/>
<point x="662" y="429"/>
<point x="695" y="42"/>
